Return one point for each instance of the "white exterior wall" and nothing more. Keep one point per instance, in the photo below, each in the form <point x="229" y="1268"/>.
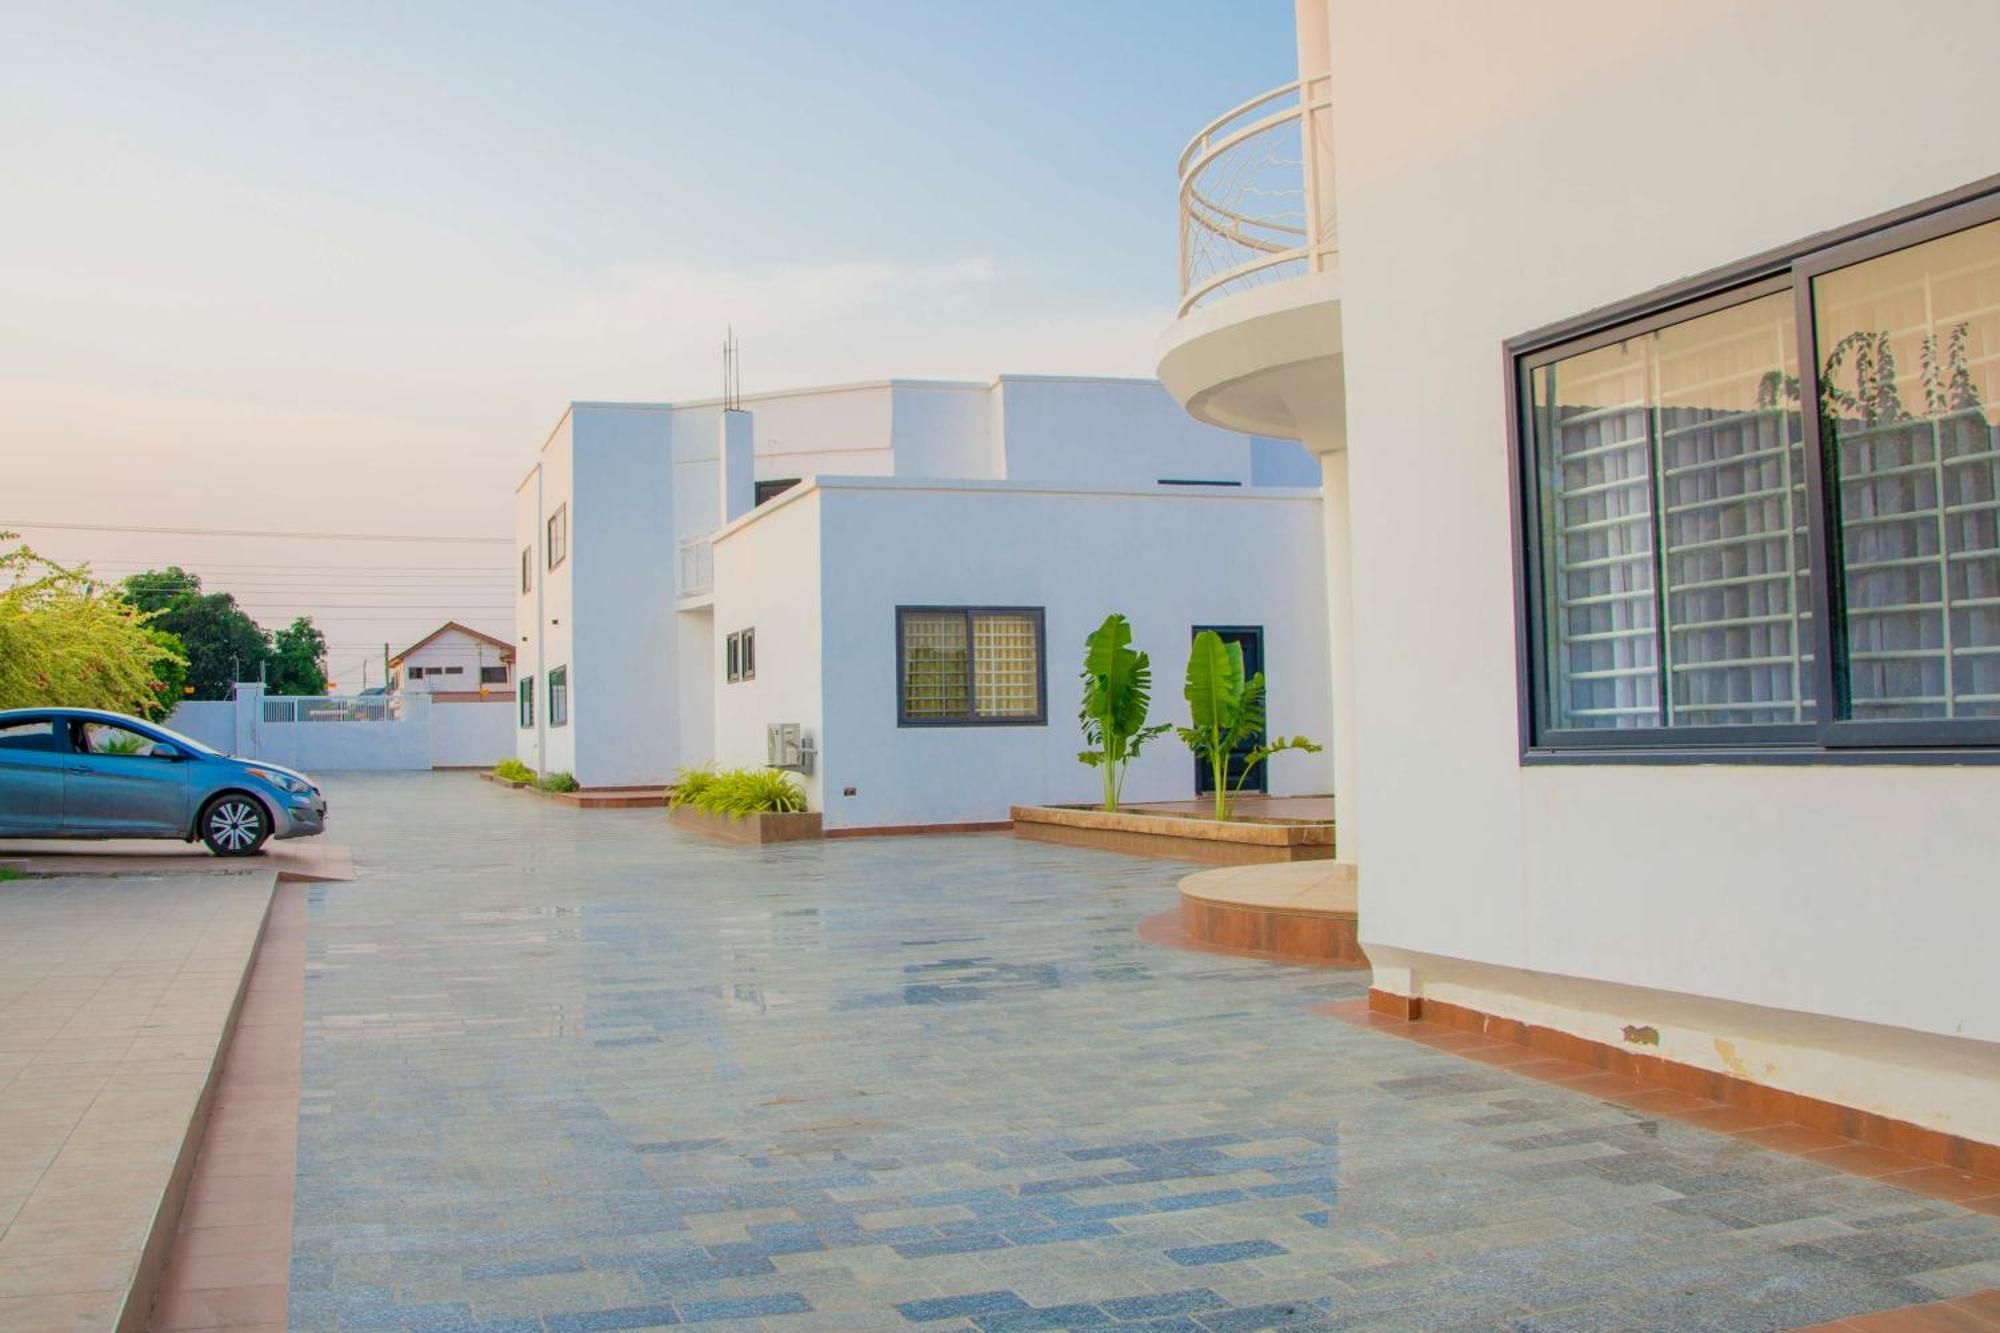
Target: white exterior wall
<point x="1113" y="433"/>
<point x="1484" y="191"/>
<point x="623" y="716"/>
<point x="1168" y="560"/>
<point x="542" y="619"/>
<point x="453" y="649"/>
<point x="769" y="577"/>
<point x="210" y="721"/>
<point x="472" y="735"/>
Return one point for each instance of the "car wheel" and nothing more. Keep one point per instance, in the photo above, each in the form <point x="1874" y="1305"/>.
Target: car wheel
<point x="235" y="825"/>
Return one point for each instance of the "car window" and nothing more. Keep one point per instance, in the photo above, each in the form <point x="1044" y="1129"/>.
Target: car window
<point x="106" y="738"/>
<point x="30" y="733"/>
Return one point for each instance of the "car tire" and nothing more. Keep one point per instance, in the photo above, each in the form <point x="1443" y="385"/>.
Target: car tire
<point x="235" y="824"/>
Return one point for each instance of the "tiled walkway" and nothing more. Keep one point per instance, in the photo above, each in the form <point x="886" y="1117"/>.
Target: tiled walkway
<point x="576" y="1070"/>
<point x="114" y="996"/>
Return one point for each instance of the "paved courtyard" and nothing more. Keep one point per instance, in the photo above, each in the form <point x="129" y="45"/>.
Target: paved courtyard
<point x="577" y="1070"/>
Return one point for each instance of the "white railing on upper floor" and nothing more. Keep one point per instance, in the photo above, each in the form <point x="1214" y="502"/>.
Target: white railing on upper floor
<point x="1257" y="194"/>
<point x="697" y="571"/>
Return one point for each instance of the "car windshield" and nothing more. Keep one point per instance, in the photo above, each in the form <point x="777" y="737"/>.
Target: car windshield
<point x="185" y="742"/>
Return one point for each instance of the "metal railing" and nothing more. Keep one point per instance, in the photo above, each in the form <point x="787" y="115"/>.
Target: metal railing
<point x="697" y="572"/>
<point x="333" y="708"/>
<point x="1257" y="194"/>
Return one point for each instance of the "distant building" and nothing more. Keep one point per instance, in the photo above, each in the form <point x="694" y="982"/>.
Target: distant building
<point x="905" y="570"/>
<point x="469" y="678"/>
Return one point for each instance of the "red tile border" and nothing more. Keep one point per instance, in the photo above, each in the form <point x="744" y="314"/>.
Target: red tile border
<point x="229" y="1265"/>
<point x="1847" y="1124"/>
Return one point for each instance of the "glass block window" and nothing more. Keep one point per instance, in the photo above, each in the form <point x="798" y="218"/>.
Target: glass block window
<point x="966" y="666"/>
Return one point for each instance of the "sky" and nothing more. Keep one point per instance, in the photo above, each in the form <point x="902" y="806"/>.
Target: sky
<point x="337" y="268"/>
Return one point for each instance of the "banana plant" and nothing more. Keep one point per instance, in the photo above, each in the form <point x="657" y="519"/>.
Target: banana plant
<point x="1227" y="710"/>
<point x="1117" y="692"/>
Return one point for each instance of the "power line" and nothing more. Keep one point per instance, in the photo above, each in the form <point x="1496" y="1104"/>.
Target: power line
<point x="13" y="524"/>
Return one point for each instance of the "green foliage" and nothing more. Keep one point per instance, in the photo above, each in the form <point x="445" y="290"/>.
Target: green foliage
<point x="738" y="791"/>
<point x="298" y="659"/>
<point x="223" y="645"/>
<point x="514" y="771"/>
<point x="67" y="640"/>
<point x="169" y="673"/>
<point x="1227" y="711"/>
<point x="1117" y="692"/>
<point x="688" y="784"/>
<point x="9" y="873"/>
<point x="556" y="782"/>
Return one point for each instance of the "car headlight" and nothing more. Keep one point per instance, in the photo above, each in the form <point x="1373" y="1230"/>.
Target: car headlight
<point x="282" y="781"/>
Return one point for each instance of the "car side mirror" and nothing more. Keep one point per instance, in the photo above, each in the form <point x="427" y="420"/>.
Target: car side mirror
<point x="162" y="750"/>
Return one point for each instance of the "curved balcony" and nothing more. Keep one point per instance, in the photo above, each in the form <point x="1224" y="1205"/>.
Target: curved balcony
<point x="1254" y="206"/>
<point x="1255" y="345"/>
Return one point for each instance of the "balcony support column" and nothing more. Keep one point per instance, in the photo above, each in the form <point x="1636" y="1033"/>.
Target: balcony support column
<point x="1331" y="447"/>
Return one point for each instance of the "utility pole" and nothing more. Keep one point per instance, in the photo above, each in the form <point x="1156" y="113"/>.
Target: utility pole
<point x="385" y="666"/>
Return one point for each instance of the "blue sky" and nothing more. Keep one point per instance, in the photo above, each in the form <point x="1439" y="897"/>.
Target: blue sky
<point x="382" y="245"/>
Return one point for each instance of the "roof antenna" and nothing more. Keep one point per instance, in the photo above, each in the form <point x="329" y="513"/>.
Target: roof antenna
<point x="732" y="372"/>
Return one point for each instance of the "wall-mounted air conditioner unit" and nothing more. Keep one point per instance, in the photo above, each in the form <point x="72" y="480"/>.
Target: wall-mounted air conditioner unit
<point x="787" y="746"/>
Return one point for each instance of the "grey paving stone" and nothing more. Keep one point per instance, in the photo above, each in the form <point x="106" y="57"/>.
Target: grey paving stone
<point x="579" y="1068"/>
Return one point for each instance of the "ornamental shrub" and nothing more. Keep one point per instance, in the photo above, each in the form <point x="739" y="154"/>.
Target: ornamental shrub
<point x="555" y="782"/>
<point x="514" y="771"/>
<point x="738" y="791"/>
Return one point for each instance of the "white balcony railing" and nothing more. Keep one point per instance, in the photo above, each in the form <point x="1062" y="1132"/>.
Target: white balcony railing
<point x="1257" y="194"/>
<point x="697" y="572"/>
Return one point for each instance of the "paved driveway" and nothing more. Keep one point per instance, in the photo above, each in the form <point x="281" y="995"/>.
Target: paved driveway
<point x="578" y="1070"/>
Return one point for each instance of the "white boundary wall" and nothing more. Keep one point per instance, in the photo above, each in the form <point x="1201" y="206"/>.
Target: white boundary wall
<point x="427" y="735"/>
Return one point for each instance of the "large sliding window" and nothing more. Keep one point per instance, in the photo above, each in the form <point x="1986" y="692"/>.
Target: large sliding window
<point x="1684" y="484"/>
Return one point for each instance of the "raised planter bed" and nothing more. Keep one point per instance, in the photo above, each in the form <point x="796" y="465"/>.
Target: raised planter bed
<point x="752" y="829"/>
<point x="499" y="781"/>
<point x="1180" y="837"/>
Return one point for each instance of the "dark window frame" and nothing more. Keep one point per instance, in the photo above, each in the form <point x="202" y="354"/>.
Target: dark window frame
<point x="557" y="535"/>
<point x="732" y="659"/>
<point x="559" y="696"/>
<point x="746" y="640"/>
<point x="970" y="613"/>
<point x="771" y="488"/>
<point x="527" y="570"/>
<point x="1831" y="738"/>
<point x="493" y="675"/>
<point x="524" y="700"/>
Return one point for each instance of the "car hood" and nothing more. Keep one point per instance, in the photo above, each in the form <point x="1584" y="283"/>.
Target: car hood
<point x="275" y="768"/>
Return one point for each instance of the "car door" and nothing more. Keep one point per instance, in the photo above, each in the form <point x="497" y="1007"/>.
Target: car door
<point x="31" y="777"/>
<point x="116" y="785"/>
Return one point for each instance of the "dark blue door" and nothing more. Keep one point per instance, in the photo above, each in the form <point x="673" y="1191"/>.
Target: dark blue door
<point x="1251" y="639"/>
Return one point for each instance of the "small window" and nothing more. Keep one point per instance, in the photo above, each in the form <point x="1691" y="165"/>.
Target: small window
<point x="966" y="666"/>
<point x="771" y="490"/>
<point x="449" y="671"/>
<point x="493" y="675"/>
<point x="527" y="569"/>
<point x="527" y="693"/>
<point x="413" y="673"/>
<point x="740" y="655"/>
<point x="559" y="697"/>
<point x="35" y="733"/>
<point x="559" y="535"/>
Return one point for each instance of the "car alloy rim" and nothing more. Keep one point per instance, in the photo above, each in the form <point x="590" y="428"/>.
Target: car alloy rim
<point x="234" y="825"/>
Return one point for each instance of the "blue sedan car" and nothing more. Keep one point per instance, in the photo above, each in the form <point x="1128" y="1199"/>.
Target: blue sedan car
<point x="79" y="773"/>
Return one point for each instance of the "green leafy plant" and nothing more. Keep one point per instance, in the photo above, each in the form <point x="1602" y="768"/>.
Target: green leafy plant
<point x="1117" y="692"/>
<point x="555" y="782"/>
<point x="124" y="743"/>
<point x="1228" y="711"/>
<point x="738" y="791"/>
<point x="513" y="770"/>
<point x="9" y="873"/>
<point x="689" y="783"/>
<point x="68" y="640"/>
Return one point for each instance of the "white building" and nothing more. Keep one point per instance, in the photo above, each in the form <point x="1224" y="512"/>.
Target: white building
<point x="690" y="575"/>
<point x="1667" y="705"/>
<point x="469" y="678"/>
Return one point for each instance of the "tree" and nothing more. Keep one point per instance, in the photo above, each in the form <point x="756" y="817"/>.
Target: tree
<point x="223" y="644"/>
<point x="169" y="674"/>
<point x="298" y="659"/>
<point x="67" y="640"/>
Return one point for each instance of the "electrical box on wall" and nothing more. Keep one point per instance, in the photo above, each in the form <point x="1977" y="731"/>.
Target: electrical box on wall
<point x="788" y="746"/>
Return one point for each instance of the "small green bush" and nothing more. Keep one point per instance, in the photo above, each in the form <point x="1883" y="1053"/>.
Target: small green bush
<point x="514" y="771"/>
<point x="740" y="791"/>
<point x="688" y="784"/>
<point x="555" y="782"/>
<point x="8" y="872"/>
